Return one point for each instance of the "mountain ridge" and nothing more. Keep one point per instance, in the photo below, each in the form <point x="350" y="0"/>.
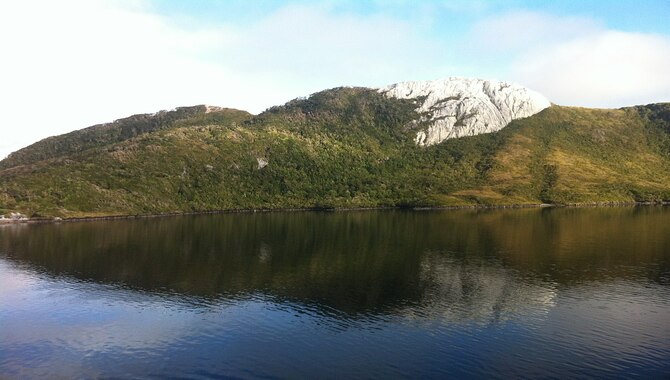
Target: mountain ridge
<point x="347" y="147"/>
<point x="106" y="133"/>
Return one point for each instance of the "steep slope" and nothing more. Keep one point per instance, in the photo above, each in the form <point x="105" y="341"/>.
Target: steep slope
<point x="458" y="107"/>
<point x="351" y="147"/>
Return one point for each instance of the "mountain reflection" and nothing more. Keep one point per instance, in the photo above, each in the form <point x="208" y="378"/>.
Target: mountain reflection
<point x="458" y="265"/>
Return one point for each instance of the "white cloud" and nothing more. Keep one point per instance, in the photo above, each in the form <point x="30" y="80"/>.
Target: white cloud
<point x="73" y="64"/>
<point x="575" y="60"/>
<point x="605" y="69"/>
<point x="67" y="65"/>
<point x="522" y="30"/>
<point x="311" y="44"/>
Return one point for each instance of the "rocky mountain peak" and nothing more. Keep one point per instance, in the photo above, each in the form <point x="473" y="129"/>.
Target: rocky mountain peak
<point x="456" y="107"/>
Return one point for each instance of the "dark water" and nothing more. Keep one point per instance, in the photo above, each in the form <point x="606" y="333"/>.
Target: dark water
<point x="541" y="293"/>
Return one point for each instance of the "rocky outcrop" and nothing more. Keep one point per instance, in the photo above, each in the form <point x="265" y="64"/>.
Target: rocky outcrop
<point x="13" y="217"/>
<point x="457" y="107"/>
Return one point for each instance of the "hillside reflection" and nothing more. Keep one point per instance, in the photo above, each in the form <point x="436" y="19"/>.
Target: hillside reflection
<point x="461" y="265"/>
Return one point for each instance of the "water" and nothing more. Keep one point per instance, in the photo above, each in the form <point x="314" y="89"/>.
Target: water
<point x="542" y="293"/>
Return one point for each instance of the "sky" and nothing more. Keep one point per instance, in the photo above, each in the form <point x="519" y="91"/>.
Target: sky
<point x="69" y="64"/>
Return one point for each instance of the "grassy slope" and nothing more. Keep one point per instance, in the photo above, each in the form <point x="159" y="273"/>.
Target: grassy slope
<point x="578" y="155"/>
<point x="349" y="148"/>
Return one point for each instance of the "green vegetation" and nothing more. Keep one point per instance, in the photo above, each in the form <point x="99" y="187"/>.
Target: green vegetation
<point x="340" y="148"/>
<point x="118" y="131"/>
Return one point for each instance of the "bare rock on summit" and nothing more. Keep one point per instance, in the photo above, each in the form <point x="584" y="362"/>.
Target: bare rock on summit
<point x="457" y="107"/>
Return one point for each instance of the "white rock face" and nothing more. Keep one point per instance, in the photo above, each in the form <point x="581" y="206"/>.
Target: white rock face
<point x="262" y="162"/>
<point x="457" y="107"/>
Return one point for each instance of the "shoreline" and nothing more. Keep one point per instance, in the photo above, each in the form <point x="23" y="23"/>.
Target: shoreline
<point x="313" y="209"/>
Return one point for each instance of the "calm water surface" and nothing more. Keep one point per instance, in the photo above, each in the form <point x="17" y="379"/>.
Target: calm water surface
<point x="542" y="293"/>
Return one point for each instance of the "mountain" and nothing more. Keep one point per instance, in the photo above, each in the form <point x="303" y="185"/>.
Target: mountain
<point x="346" y="148"/>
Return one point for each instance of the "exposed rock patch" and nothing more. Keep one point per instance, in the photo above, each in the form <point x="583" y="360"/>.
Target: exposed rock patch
<point x="209" y="109"/>
<point x="457" y="107"/>
<point x="13" y="217"/>
<point x="262" y="162"/>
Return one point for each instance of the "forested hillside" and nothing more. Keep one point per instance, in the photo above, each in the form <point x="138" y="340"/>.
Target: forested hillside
<point x="340" y="148"/>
